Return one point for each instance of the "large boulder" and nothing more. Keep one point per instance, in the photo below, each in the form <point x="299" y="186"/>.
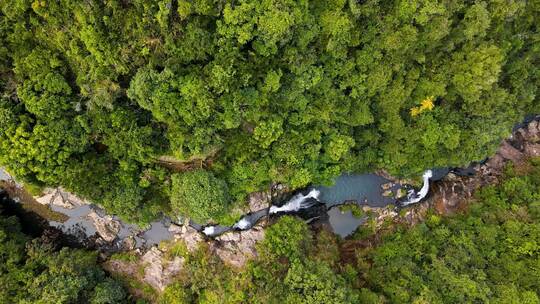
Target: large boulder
<point x="60" y="198"/>
<point x="259" y="201"/>
<point x="495" y="163"/>
<point x="279" y="193"/>
<point x="47" y="197"/>
<point x="158" y="272"/>
<point x="236" y="248"/>
<point x="533" y="131"/>
<point x="107" y="227"/>
<point x="191" y="237"/>
<point x="532" y="149"/>
<point x="4" y="175"/>
<point x="508" y="152"/>
<point x="380" y="214"/>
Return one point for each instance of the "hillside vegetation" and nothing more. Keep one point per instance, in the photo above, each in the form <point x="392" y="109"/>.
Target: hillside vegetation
<point x="489" y="253"/>
<point x="95" y="94"/>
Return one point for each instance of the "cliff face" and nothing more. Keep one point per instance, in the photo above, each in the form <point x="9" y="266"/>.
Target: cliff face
<point x="454" y="192"/>
<point x="448" y="195"/>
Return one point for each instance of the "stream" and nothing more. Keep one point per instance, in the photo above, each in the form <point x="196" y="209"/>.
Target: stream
<point x="359" y="189"/>
<point x="363" y="189"/>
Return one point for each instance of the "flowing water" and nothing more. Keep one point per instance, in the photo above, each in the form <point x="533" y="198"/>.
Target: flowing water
<point x="297" y="202"/>
<point x="249" y="220"/>
<point x="359" y="188"/>
<point x="362" y="188"/>
<point x="215" y="230"/>
<point x="414" y="197"/>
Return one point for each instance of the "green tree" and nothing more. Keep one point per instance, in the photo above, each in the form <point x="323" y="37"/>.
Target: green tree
<point x="199" y="195"/>
<point x="31" y="271"/>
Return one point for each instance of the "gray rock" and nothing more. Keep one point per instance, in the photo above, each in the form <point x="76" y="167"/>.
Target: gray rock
<point x="533" y="128"/>
<point x="4" y="175"/>
<point x="259" y="201"/>
<point x="387" y="193"/>
<point x="236" y="248"/>
<point x="61" y="198"/>
<point x="191" y="237"/>
<point x="279" y="193"/>
<point x="495" y="162"/>
<point x="532" y="149"/>
<point x="175" y="229"/>
<point x="380" y="214"/>
<point x="129" y="243"/>
<point x="46" y="198"/>
<point x="508" y="152"/>
<point x="400" y="193"/>
<point x="106" y="226"/>
<point x="368" y="209"/>
<point x="158" y="272"/>
<point x="387" y="186"/>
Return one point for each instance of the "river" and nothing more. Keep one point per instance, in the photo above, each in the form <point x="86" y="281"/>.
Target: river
<point x="360" y="189"/>
<point x="84" y="220"/>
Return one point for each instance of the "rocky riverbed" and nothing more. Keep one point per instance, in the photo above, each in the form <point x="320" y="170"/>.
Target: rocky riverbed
<point x="454" y="192"/>
<point x="449" y="194"/>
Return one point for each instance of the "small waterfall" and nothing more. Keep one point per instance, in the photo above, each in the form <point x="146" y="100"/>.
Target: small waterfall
<point x="415" y="197"/>
<point x="215" y="230"/>
<point x="209" y="230"/>
<point x="242" y="224"/>
<point x="297" y="202"/>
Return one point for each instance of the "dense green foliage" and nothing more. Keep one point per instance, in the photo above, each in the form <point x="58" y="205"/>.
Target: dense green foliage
<point x="32" y="272"/>
<point x="488" y="254"/>
<point x="95" y="92"/>
<point x="291" y="269"/>
<point x="491" y="254"/>
<point x="200" y="195"/>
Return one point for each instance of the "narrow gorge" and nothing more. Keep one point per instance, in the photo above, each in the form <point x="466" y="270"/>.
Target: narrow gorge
<point x="380" y="198"/>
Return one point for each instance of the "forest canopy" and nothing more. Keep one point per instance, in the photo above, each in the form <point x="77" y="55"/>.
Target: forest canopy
<point x="112" y="98"/>
<point x="36" y="271"/>
<point x="487" y="253"/>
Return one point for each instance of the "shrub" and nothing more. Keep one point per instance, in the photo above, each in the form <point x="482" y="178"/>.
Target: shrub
<point x="199" y="195"/>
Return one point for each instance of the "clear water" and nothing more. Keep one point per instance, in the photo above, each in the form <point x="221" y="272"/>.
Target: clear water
<point x="439" y="173"/>
<point x="158" y="232"/>
<point x="77" y="221"/>
<point x="361" y="188"/>
<point x="356" y="187"/>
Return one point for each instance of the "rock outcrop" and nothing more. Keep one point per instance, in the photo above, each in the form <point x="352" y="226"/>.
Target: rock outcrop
<point x="107" y="227"/>
<point x="236" y="248"/>
<point x="159" y="272"/>
<point x="61" y="198"/>
<point x="259" y="200"/>
<point x="454" y="192"/>
<point x="191" y="237"/>
<point x="380" y="215"/>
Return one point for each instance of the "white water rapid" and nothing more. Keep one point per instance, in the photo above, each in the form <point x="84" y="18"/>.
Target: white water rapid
<point x="297" y="202"/>
<point x="210" y="230"/>
<point x="413" y="197"/>
<point x="242" y="224"/>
